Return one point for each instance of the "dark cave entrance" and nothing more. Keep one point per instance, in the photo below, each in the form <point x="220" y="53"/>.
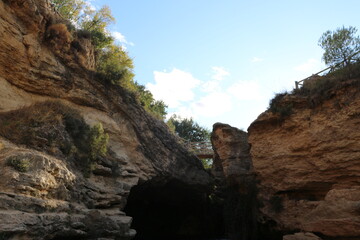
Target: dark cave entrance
<point x="174" y="211"/>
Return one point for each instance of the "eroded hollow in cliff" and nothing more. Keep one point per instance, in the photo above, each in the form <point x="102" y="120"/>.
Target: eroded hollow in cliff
<point x="313" y="191"/>
<point x="173" y="210"/>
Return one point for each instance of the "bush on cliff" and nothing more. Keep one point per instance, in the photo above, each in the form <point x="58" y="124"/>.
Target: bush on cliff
<point x="113" y="64"/>
<point x="98" y="141"/>
<point x="19" y="163"/>
<point x="56" y="129"/>
<point x="278" y="106"/>
<point x="59" y="36"/>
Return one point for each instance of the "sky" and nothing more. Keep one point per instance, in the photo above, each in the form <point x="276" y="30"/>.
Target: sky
<point x="223" y="60"/>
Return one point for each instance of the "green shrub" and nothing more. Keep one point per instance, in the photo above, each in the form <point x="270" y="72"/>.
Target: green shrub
<point x="98" y="141"/>
<point x="278" y="105"/>
<point x="19" y="163"/>
<point x="57" y="129"/>
<point x="207" y="162"/>
<point x="114" y="66"/>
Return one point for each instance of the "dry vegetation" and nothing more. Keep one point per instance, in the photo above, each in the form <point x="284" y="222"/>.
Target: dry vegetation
<point x="56" y="129"/>
<point x="59" y="37"/>
<point x="317" y="89"/>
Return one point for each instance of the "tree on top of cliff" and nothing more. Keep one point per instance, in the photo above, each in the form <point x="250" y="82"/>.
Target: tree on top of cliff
<point x="188" y="129"/>
<point x="84" y="17"/>
<point x="113" y="64"/>
<point x="340" y="45"/>
<point x="157" y="108"/>
<point x="96" y="23"/>
<point x="69" y="9"/>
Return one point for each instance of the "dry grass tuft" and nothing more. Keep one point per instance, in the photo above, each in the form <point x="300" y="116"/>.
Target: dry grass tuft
<point x="59" y="37"/>
<point x="57" y="129"/>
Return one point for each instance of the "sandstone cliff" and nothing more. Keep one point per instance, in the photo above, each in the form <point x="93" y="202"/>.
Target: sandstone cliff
<point x="233" y="172"/>
<point x="295" y="170"/>
<point x="308" y="163"/>
<point x="52" y="199"/>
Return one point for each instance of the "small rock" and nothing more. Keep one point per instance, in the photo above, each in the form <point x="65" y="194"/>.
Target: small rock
<point x="102" y="171"/>
<point x="301" y="236"/>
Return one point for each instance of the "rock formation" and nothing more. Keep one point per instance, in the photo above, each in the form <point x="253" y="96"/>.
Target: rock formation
<point x="308" y="163"/>
<point x="235" y="181"/>
<point x="51" y="198"/>
<point x="305" y="165"/>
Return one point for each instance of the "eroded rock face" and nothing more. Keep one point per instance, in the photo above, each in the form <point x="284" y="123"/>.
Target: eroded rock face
<point x="52" y="199"/>
<point x="308" y="164"/>
<point x="232" y="168"/>
<point x="232" y="156"/>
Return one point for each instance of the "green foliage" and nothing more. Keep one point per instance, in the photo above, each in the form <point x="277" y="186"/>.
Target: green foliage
<point x="277" y="105"/>
<point x="57" y="129"/>
<point x="171" y="126"/>
<point x="20" y="163"/>
<point x="146" y="99"/>
<point x="79" y="13"/>
<point x="188" y="129"/>
<point x="114" y="66"/>
<point x="70" y="9"/>
<point x="88" y="143"/>
<point x="207" y="162"/>
<point x="98" y="141"/>
<point x="340" y="45"/>
<point x="96" y="22"/>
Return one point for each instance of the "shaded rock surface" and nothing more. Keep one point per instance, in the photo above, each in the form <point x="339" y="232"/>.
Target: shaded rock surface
<point x="235" y="182"/>
<point x="308" y="164"/>
<point x="52" y="199"/>
<point x="301" y="236"/>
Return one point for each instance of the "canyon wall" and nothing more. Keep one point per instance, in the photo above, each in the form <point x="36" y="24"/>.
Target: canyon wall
<point x="48" y="196"/>
<point x="235" y="182"/>
<point x="294" y="173"/>
<point x="307" y="164"/>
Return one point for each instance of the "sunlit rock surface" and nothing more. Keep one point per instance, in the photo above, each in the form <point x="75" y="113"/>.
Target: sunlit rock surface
<point x="53" y="199"/>
<point x="308" y="163"/>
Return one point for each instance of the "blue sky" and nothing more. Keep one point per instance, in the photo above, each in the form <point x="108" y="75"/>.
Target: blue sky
<point x="222" y="61"/>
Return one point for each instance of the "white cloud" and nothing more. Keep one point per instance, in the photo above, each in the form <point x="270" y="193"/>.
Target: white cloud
<point x="310" y="66"/>
<point x="183" y="111"/>
<point x="210" y="86"/>
<point x="256" y="59"/>
<point x="212" y="105"/>
<point x="245" y="90"/>
<point x="219" y="73"/>
<point x="173" y="87"/>
<point x="209" y="106"/>
<point x="90" y="5"/>
<point x="121" y="39"/>
<point x="118" y="36"/>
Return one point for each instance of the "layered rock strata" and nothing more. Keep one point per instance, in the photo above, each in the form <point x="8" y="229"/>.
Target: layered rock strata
<point x="308" y="163"/>
<point x="52" y="199"/>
